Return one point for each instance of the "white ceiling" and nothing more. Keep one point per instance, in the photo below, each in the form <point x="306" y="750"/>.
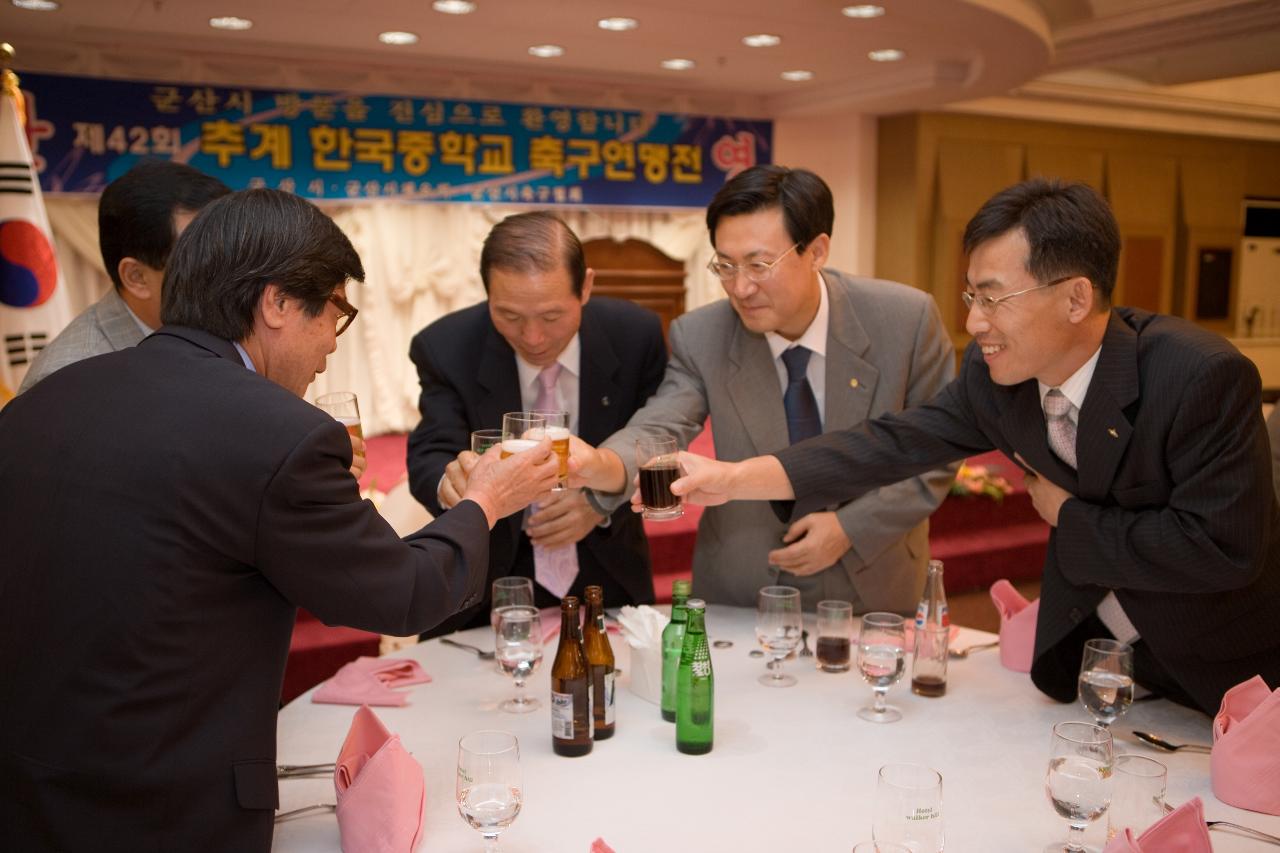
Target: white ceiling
<point x="956" y="50"/>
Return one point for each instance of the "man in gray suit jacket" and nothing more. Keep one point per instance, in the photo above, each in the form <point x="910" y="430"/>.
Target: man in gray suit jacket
<point x="865" y="347"/>
<point x="140" y="216"/>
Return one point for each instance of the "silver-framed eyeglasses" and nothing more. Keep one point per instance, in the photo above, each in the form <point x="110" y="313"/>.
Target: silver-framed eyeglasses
<point x="988" y="303"/>
<point x="757" y="272"/>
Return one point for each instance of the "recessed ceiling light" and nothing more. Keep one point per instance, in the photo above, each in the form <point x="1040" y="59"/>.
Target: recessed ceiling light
<point x="617" y="25"/>
<point x="454" y="7"/>
<point x="36" y="5"/>
<point x="762" y="40"/>
<point x="397" y="38"/>
<point x="546" y="51"/>
<point x="888" y="55"/>
<point x="678" y="64"/>
<point x="230" y="22"/>
<point x="797" y="76"/>
<point x="863" y="11"/>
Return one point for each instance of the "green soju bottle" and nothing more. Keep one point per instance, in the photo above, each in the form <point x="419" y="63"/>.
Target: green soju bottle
<point x="672" y="642"/>
<point x="695" y="686"/>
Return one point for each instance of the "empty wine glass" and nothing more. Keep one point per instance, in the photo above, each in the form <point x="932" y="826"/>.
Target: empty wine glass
<point x="489" y="790"/>
<point x="517" y="646"/>
<point x="778" y="624"/>
<point x="1106" y="679"/>
<point x="1081" y="760"/>
<point x="508" y="591"/>
<point x="881" y="647"/>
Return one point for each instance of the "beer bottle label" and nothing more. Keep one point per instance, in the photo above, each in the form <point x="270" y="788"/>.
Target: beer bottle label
<point x="609" y="708"/>
<point x="562" y="715"/>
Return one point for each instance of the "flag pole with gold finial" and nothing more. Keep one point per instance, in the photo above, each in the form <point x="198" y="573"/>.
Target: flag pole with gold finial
<point x="9" y="81"/>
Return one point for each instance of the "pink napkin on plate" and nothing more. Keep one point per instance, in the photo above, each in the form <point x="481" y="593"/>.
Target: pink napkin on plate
<point x="1182" y="830"/>
<point x="381" y="793"/>
<point x="369" y="681"/>
<point x="1017" y="625"/>
<point x="1245" y="765"/>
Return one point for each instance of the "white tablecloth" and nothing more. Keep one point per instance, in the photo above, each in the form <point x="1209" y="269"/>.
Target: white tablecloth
<point x="792" y="769"/>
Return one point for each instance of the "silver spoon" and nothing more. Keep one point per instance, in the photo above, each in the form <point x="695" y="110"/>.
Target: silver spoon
<point x="480" y="653"/>
<point x="1160" y="743"/>
<point x="961" y="654"/>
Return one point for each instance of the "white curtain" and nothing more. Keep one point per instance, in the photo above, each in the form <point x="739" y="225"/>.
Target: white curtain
<point x="421" y="262"/>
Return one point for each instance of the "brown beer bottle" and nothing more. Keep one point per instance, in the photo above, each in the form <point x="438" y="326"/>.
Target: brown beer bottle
<point x="595" y="645"/>
<point x="570" y="687"/>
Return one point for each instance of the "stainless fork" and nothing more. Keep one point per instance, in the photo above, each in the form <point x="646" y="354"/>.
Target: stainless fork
<point x="1226" y="824"/>
<point x="315" y="807"/>
<point x="480" y="653"/>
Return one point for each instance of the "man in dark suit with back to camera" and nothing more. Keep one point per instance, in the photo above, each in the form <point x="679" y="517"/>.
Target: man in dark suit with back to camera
<point x="166" y="510"/>
<point x="539" y="342"/>
<point x="1143" y="434"/>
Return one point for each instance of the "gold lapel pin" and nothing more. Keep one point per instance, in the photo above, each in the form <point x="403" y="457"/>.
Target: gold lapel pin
<point x="853" y="383"/>
<point x="1111" y="431"/>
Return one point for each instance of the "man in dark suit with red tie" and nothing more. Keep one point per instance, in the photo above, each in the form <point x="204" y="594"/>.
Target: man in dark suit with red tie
<point x="1144" y="438"/>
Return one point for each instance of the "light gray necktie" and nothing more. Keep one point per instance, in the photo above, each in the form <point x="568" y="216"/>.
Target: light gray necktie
<point x="554" y="568"/>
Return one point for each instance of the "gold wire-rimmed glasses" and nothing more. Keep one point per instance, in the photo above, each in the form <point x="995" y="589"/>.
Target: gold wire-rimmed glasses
<point x="757" y="272"/>
<point x="988" y="304"/>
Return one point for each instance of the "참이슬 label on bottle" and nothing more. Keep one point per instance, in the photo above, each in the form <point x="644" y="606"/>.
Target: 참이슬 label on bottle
<point x="562" y="715"/>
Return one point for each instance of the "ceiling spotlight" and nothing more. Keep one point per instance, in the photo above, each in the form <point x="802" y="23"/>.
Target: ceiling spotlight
<point x="229" y="22"/>
<point x="797" y="76"/>
<point x="36" y="5"/>
<point x="678" y="64"/>
<point x="396" y="37"/>
<point x="546" y="51"/>
<point x="888" y="55"/>
<point x="762" y="40"/>
<point x="454" y="7"/>
<point x="617" y="25"/>
<point x="863" y="11"/>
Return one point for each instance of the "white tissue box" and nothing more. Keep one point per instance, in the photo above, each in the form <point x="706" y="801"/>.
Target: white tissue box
<point x="646" y="674"/>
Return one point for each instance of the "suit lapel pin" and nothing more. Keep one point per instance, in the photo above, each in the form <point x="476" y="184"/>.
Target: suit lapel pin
<point x="1111" y="431"/>
<point x="853" y="383"/>
<point x="604" y="401"/>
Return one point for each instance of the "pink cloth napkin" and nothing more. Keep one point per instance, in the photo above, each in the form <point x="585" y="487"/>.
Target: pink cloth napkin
<point x="1017" y="626"/>
<point x="598" y="846"/>
<point x="369" y="681"/>
<point x="381" y="793"/>
<point x="1180" y="831"/>
<point x="1245" y="765"/>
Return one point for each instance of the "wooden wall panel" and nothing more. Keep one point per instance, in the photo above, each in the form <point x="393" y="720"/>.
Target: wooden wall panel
<point x="1070" y="164"/>
<point x="1143" y="191"/>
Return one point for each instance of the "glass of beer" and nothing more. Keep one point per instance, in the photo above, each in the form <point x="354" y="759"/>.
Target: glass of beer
<point x="483" y="439"/>
<point x="835" y="635"/>
<point x="659" y="468"/>
<point x="521" y="431"/>
<point x="558" y="432"/>
<point x="342" y="407"/>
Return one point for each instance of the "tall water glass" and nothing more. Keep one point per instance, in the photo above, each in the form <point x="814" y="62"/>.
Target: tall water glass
<point x="489" y="790"/>
<point x="1106" y="679"/>
<point x="517" y="646"/>
<point x="835" y="635"/>
<point x="343" y="407"/>
<point x="908" y="808"/>
<point x="521" y="431"/>
<point x="1138" y="800"/>
<point x="1079" y="781"/>
<point x="778" y="626"/>
<point x="881" y="651"/>
<point x="557" y="430"/>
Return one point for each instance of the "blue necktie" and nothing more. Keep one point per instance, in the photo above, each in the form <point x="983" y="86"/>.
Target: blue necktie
<point x="803" y="420"/>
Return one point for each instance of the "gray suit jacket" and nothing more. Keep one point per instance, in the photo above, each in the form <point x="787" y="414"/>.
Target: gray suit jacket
<point x="105" y="326"/>
<point x="886" y="350"/>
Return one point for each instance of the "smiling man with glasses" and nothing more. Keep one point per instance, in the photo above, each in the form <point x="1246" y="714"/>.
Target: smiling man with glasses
<point x="797" y="348"/>
<point x="1144" y="440"/>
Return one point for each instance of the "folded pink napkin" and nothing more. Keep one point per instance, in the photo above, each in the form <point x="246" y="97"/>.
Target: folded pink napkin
<point x="1182" y="830"/>
<point x="598" y="846"/>
<point x="369" y="681"/>
<point x="1245" y="765"/>
<point x="1017" y="625"/>
<point x="381" y="794"/>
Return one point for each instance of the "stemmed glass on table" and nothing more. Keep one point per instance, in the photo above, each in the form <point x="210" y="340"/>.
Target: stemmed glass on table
<point x="507" y="591"/>
<point x="778" y="624"/>
<point x="517" y="646"/>
<point x="881" y="649"/>
<point x="1079" y="780"/>
<point x="1106" y="680"/>
<point x="488" y="788"/>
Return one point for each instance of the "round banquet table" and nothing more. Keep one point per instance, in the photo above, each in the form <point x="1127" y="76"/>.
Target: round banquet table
<point x="792" y="768"/>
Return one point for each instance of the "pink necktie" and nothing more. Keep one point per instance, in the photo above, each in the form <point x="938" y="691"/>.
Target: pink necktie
<point x="554" y="568"/>
<point x="1062" y="432"/>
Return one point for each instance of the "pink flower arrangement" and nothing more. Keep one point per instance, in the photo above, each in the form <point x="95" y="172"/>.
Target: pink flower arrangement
<point x="975" y="480"/>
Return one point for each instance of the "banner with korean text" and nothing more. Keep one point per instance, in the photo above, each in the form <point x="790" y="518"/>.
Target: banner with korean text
<point x="88" y="131"/>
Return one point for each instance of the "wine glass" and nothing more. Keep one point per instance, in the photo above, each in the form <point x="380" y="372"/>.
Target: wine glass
<point x="778" y="630"/>
<point x="512" y="589"/>
<point x="517" y="646"/>
<point x="1078" y="783"/>
<point x="1106" y="679"/>
<point x="488" y="789"/>
<point x="881" y="647"/>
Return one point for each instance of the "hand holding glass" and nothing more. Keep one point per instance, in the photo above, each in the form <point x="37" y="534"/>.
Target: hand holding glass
<point x="489" y="791"/>
<point x="1106" y="679"/>
<point x="557" y="430"/>
<point x="521" y="431"/>
<point x="1081" y="759"/>
<point x="881" y="648"/>
<point x="778" y="625"/>
<point x="518" y="649"/>
<point x="657" y="458"/>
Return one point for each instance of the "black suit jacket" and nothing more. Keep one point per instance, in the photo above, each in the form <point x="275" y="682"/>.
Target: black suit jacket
<point x="469" y="380"/>
<point x="1173" y="506"/>
<point x="165" y="509"/>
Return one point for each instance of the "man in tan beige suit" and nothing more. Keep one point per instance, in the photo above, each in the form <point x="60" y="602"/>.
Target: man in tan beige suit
<point x="795" y="350"/>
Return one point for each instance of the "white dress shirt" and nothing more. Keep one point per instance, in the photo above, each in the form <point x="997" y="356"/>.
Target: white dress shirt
<point x="815" y="340"/>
